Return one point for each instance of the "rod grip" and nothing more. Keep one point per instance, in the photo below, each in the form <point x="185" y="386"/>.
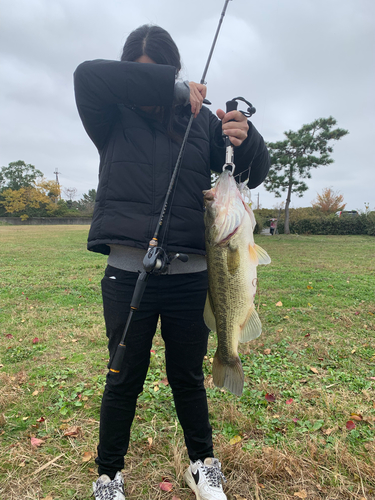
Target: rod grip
<point x="115" y="365"/>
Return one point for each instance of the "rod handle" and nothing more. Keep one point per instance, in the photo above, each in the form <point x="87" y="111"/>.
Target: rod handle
<point x="138" y="290"/>
<point x="118" y="358"/>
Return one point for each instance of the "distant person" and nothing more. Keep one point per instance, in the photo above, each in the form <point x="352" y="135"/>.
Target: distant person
<point x="272" y="226"/>
<point x="136" y="115"/>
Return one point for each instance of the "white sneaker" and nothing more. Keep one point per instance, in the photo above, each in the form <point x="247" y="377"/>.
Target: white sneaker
<point x="105" y="489"/>
<point x="205" y="479"/>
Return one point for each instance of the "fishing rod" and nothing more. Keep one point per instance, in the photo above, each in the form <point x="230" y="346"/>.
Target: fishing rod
<point x="156" y="259"/>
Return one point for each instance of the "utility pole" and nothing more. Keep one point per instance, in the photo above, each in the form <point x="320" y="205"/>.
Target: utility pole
<point x="57" y="176"/>
<point x="258" y="201"/>
<point x="56" y="172"/>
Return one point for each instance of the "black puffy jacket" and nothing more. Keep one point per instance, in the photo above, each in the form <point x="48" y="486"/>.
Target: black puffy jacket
<point x="137" y="156"/>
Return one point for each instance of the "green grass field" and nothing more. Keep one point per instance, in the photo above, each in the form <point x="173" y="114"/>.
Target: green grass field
<point x="303" y="428"/>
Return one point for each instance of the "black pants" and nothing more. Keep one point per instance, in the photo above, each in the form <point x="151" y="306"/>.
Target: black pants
<point x="179" y="301"/>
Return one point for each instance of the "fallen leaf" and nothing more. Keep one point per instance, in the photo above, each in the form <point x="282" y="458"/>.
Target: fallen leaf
<point x="177" y="498"/>
<point x="356" y="416"/>
<point x="48" y="498"/>
<point x="270" y="397"/>
<point x="87" y="456"/>
<point x="22" y="464"/>
<point x="36" y="442"/>
<point x="35" y="340"/>
<point x="35" y="393"/>
<point x="280" y="330"/>
<point x="166" y="486"/>
<point x="156" y="388"/>
<point x="350" y="425"/>
<point x="314" y="370"/>
<point x="2" y="420"/>
<point x="309" y="287"/>
<point x="301" y="494"/>
<point x="9" y="336"/>
<point x="279" y="304"/>
<point x="73" y="432"/>
<point x="25" y="418"/>
<point x="164" y="381"/>
<point x="289" y="401"/>
<point x="328" y="432"/>
<point x="267" y="351"/>
<point x="41" y="419"/>
<point x="307" y="335"/>
<point x="295" y="420"/>
<point x="149" y="442"/>
<point x="235" y="439"/>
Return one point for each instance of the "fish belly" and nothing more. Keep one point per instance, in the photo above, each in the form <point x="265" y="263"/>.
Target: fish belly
<point x="231" y="294"/>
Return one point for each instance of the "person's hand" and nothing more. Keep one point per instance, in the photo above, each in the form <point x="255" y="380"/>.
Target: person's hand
<point x="236" y="130"/>
<point x="198" y="92"/>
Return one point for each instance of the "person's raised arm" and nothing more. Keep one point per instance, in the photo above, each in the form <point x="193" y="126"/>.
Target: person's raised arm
<point x="100" y="86"/>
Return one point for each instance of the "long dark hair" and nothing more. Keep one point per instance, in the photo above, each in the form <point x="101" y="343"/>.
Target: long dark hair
<point x="156" y="43"/>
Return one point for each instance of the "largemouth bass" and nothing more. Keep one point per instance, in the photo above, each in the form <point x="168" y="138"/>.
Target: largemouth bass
<point x="232" y="260"/>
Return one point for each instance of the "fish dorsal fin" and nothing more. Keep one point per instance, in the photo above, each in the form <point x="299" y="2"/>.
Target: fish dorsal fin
<point x="259" y="255"/>
<point x="208" y="314"/>
<point x="252" y="327"/>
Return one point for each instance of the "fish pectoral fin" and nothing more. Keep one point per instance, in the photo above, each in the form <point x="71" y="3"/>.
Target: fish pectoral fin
<point x="208" y="314"/>
<point x="263" y="257"/>
<point x="226" y="375"/>
<point x="252" y="327"/>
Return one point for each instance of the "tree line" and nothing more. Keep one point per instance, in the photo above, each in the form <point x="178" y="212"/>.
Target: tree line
<point x="24" y="192"/>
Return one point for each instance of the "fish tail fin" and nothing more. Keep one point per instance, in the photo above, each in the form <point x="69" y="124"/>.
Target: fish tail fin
<point x="230" y="376"/>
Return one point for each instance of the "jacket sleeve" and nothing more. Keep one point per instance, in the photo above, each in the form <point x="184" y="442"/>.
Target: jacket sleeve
<point x="100" y="86"/>
<point x="251" y="158"/>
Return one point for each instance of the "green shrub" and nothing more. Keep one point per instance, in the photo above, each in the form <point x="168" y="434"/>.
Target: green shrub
<point x="363" y="224"/>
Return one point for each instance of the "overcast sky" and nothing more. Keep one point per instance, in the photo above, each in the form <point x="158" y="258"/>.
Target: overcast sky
<point x="295" y="60"/>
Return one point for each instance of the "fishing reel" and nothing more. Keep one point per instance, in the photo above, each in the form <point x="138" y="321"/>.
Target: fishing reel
<point x="156" y="260"/>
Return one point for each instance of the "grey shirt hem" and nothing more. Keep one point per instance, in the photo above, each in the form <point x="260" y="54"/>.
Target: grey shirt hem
<point x="131" y="259"/>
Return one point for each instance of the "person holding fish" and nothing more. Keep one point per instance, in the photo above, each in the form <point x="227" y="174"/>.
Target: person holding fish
<point x="136" y="111"/>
